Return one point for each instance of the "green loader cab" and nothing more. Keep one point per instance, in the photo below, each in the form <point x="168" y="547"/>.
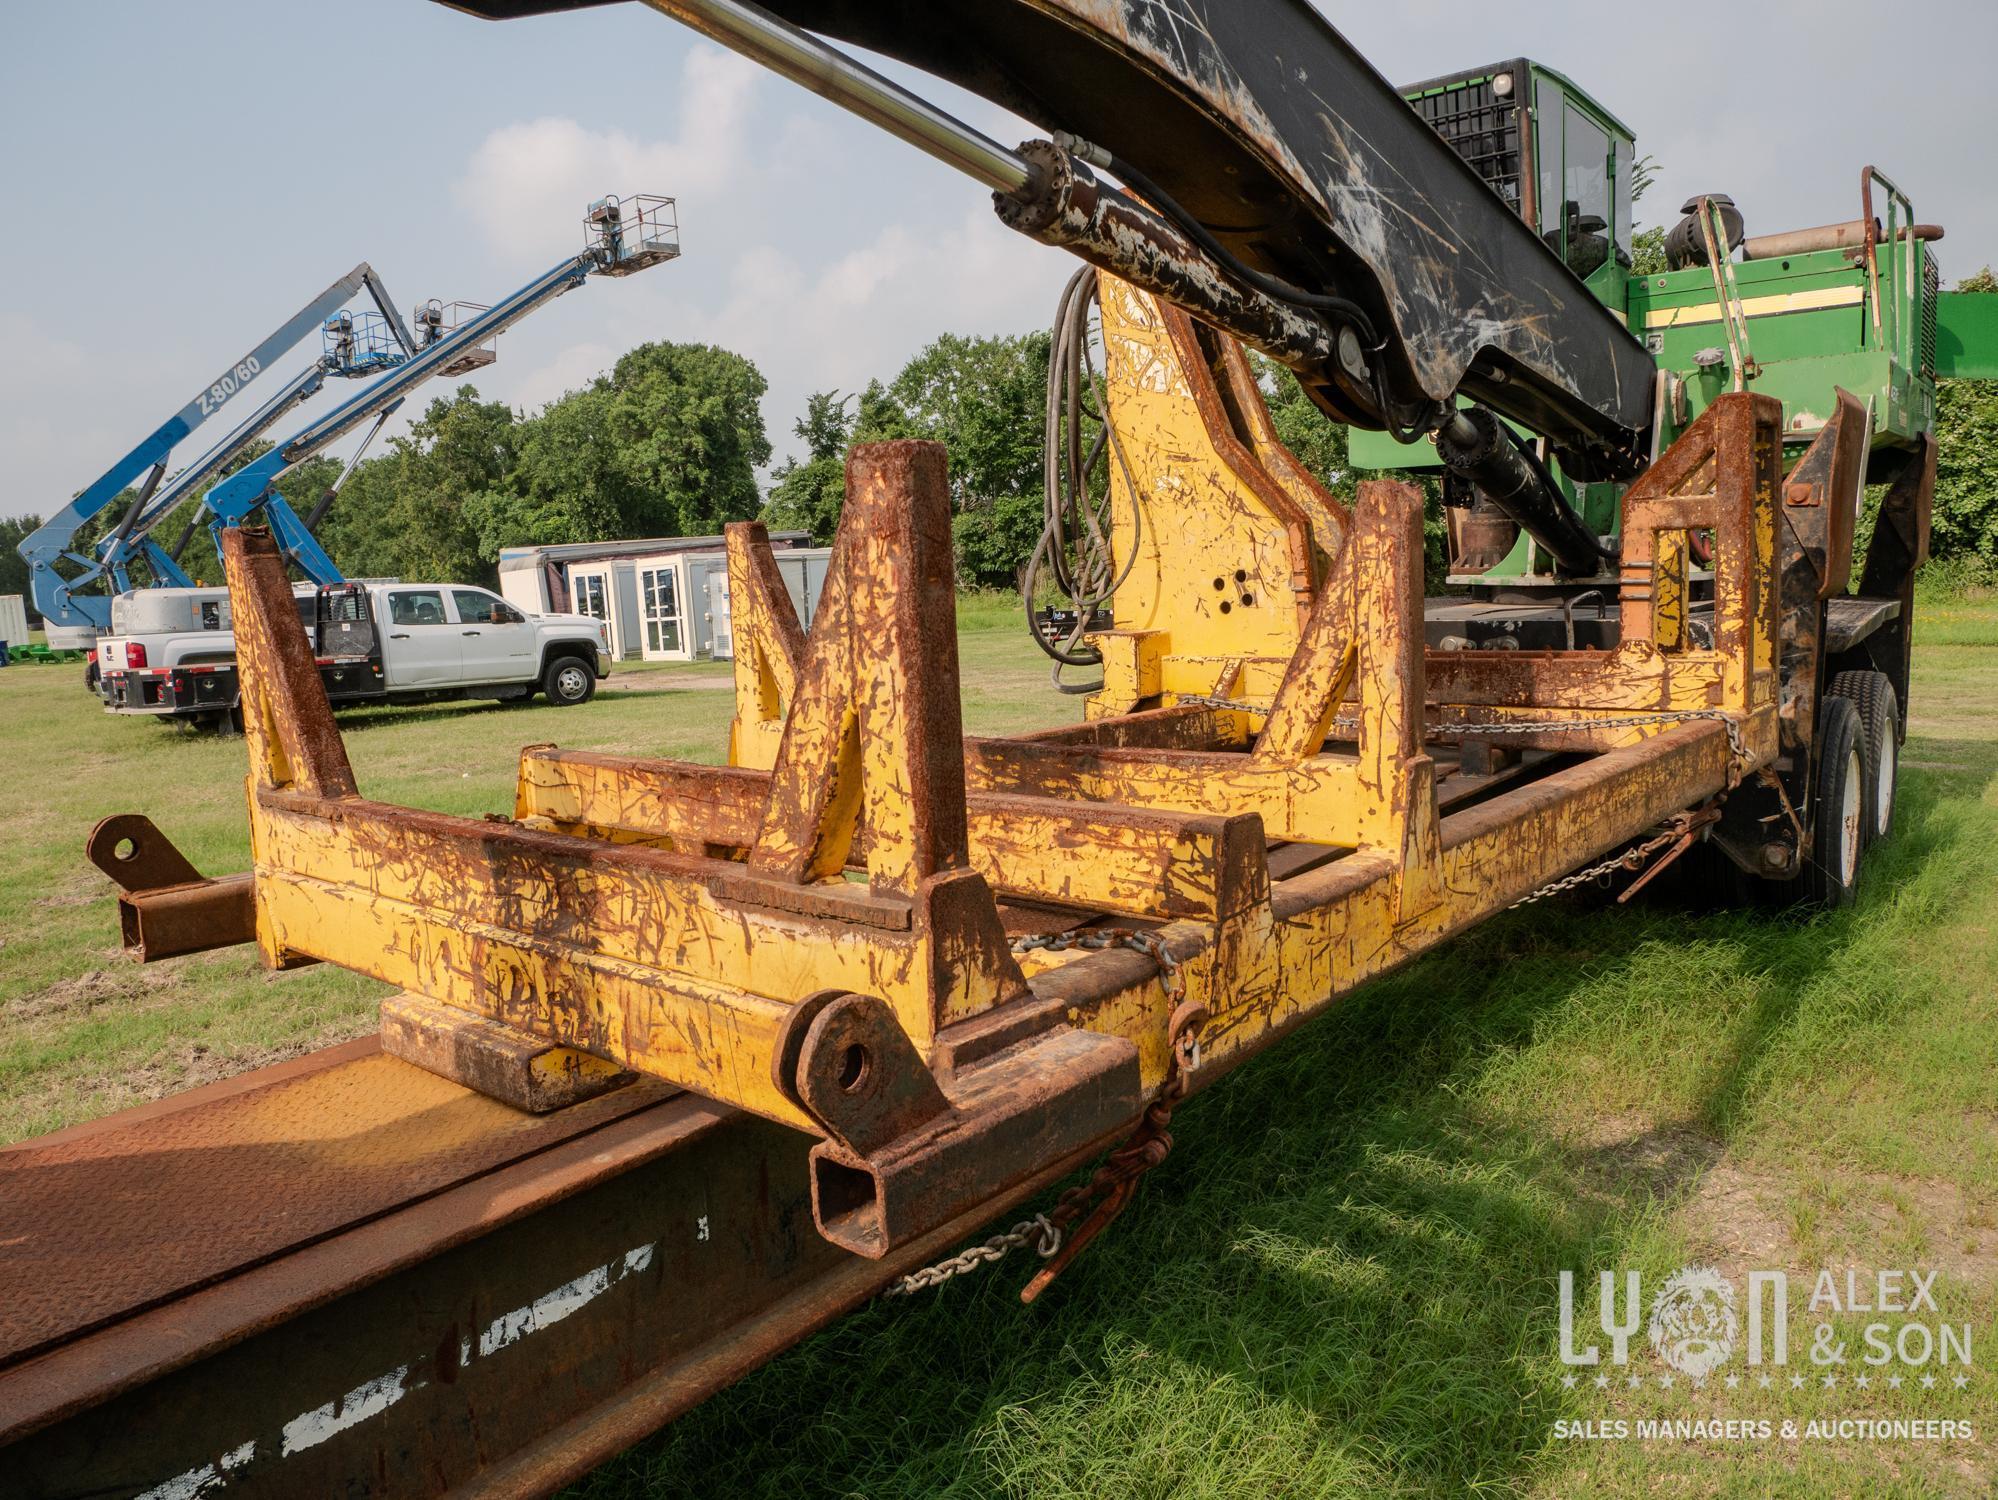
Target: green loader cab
<point x="1853" y="305"/>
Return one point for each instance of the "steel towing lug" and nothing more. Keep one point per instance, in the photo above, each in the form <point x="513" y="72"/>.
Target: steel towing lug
<point x="906" y="1153"/>
<point x="166" y="907"/>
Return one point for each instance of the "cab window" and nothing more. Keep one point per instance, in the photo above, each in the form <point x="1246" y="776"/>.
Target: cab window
<point x="1585" y="192"/>
<point x="477" y="607"/>
<point x="417" y="607"/>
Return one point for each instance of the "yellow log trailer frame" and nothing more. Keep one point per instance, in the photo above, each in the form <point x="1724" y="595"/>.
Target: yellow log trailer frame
<point x="950" y="969"/>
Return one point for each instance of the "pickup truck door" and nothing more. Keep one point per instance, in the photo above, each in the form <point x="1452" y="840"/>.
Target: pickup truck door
<point x="497" y="639"/>
<point x="422" y="648"/>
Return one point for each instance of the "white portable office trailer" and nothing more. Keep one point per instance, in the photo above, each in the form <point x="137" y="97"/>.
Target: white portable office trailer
<point x="664" y="598"/>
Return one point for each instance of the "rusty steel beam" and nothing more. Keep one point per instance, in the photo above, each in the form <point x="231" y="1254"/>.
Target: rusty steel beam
<point x="514" y="1305"/>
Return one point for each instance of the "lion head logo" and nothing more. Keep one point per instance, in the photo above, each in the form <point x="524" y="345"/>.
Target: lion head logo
<point x="1693" y="1326"/>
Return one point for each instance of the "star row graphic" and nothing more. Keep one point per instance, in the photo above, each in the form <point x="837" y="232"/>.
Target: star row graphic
<point x="1829" y="1380"/>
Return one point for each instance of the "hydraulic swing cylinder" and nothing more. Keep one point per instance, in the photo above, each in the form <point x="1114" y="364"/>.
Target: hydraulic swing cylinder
<point x="1475" y="444"/>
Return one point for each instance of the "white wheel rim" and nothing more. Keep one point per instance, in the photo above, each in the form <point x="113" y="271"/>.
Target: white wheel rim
<point x="1883" y="786"/>
<point x="1849" y="819"/>
<point x="571" y="682"/>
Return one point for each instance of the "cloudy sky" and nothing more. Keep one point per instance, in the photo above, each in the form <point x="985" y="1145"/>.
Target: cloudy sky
<point x="178" y="178"/>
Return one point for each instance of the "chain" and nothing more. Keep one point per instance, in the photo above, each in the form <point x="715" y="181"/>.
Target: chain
<point x="1146" y="942"/>
<point x="1040" y="1232"/>
<point x="1215" y="700"/>
<point x="1111" y="1185"/>
<point x="1736" y="745"/>
<point x="1630" y="859"/>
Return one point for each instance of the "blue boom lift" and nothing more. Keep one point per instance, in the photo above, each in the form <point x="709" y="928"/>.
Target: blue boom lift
<point x="621" y="236"/>
<point x="73" y="611"/>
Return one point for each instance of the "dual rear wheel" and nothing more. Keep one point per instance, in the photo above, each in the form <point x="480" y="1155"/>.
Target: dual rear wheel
<point x="1858" y="768"/>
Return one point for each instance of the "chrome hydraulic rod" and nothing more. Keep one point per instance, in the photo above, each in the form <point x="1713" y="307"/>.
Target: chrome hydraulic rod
<point x="831" y="74"/>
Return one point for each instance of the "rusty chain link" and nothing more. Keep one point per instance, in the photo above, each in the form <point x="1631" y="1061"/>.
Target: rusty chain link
<point x="1111" y="1186"/>
<point x="1736" y="745"/>
<point x="1040" y="1232"/>
<point x="1630" y="859"/>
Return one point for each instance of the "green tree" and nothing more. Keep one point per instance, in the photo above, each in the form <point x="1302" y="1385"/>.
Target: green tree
<point x="411" y="512"/>
<point x="1647" y="246"/>
<point x="1965" y="516"/>
<point x="1318" y="442"/>
<point x="686" y="421"/>
<point x="666" y="444"/>
<point x="808" y="496"/>
<point x="984" y="399"/>
<point x="13" y="567"/>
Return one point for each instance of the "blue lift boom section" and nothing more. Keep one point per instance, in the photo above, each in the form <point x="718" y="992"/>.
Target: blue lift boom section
<point x="625" y="236"/>
<point x="69" y="612"/>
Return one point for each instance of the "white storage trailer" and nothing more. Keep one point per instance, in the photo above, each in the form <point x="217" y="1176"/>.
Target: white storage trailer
<point x="13" y="620"/>
<point x="664" y="598"/>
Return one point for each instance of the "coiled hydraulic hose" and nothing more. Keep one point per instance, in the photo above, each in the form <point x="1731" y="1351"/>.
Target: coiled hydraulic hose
<point x="1074" y="552"/>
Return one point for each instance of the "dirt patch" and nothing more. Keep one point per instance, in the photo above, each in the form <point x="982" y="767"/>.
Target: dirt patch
<point x="82" y="993"/>
<point x="1741" y="1219"/>
<point x="193" y="1064"/>
<point x="666" y="684"/>
<point x="78" y="890"/>
<point x="1627" y="1156"/>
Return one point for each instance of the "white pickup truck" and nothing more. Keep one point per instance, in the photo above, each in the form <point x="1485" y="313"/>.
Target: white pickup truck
<point x="170" y="652"/>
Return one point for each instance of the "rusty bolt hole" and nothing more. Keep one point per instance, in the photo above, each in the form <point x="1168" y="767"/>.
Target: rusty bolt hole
<point x="853" y="1065"/>
<point x="1241" y="575"/>
<point x="125" y="851"/>
<point x="1220" y="584"/>
<point x="1248" y="601"/>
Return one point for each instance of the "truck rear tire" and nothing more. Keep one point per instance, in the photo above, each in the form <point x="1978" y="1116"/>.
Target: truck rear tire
<point x="569" y="681"/>
<point x="1838" y="819"/>
<point x="1872" y="693"/>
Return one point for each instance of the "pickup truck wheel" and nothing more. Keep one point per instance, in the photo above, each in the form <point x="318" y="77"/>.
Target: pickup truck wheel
<point x="569" y="681"/>
<point x="1872" y="693"/>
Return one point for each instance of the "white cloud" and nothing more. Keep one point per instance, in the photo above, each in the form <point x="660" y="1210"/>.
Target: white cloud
<point x="783" y="262"/>
<point x="572" y="368"/>
<point x="527" y="184"/>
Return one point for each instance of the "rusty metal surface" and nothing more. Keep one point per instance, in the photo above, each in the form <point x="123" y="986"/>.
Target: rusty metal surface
<point x="1007" y="1118"/>
<point x="97" y="1226"/>
<point x="497" y="1338"/>
<point x="522" y="1071"/>
<point x="136" y="855"/>
<point x="193" y="918"/>
<point x="944" y="1072"/>
<point x="1118" y="234"/>
<point x="287" y="721"/>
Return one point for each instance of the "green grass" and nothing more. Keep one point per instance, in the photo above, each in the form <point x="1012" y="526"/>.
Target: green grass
<point x="1343" y="1280"/>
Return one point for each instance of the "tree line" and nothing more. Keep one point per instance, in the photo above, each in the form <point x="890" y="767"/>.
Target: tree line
<point x="668" y="442"/>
